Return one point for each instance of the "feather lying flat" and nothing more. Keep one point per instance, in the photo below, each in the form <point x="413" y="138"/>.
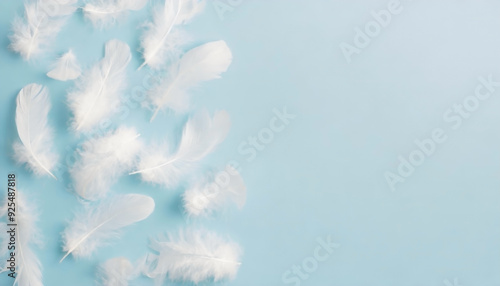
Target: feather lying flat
<point x="195" y="256"/>
<point x="103" y="160"/>
<point x="205" y="198"/>
<point x="36" y="137"/>
<point x="104" y="13"/>
<point x="43" y="19"/>
<point x="98" y="88"/>
<point x="65" y="68"/>
<point x="96" y="225"/>
<point x="119" y="271"/>
<point x="200" y="64"/>
<point x="161" y="39"/>
<point x="200" y="136"/>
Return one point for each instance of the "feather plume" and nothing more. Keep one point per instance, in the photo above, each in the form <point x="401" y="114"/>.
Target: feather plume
<point x="65" y="68"/>
<point x="195" y="256"/>
<point x="98" y="88"/>
<point x="43" y="19"/>
<point x="203" y="199"/>
<point x="161" y="39"/>
<point x="28" y="267"/>
<point x="103" y="160"/>
<point x="104" y="13"/>
<point x="31" y="120"/>
<point x="200" y="136"/>
<point x="96" y="225"/>
<point x="200" y="64"/>
<point x="118" y="271"/>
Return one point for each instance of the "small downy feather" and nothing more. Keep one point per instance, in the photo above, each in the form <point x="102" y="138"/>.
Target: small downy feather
<point x="43" y="19"/>
<point x="200" y="136"/>
<point x="103" y="160"/>
<point x="36" y="137"/>
<point x="65" y="68"/>
<point x="119" y="271"/>
<point x="28" y="267"/>
<point x="96" y="225"/>
<point x="205" y="198"/>
<point x="195" y="256"/>
<point x="104" y="13"/>
<point x="162" y="39"/>
<point x="203" y="63"/>
<point x="99" y="88"/>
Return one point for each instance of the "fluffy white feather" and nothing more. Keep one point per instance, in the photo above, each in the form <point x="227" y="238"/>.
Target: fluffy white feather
<point x="200" y="136"/>
<point x="200" y="64"/>
<point x="161" y="39"/>
<point x="36" y="137"/>
<point x="103" y="160"/>
<point x="104" y="13"/>
<point x="96" y="225"/>
<point x="205" y="198"/>
<point x="43" y="19"/>
<point x="195" y="256"/>
<point x="98" y="88"/>
<point x="119" y="271"/>
<point x="28" y="268"/>
<point x="65" y="68"/>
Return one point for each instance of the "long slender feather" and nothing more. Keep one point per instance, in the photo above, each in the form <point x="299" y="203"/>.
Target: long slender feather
<point x="31" y="120"/>
<point x="96" y="225"/>
<point x="104" y="13"/>
<point x="200" y="136"/>
<point x="100" y="86"/>
<point x="103" y="160"/>
<point x="65" y="68"/>
<point x="200" y="64"/>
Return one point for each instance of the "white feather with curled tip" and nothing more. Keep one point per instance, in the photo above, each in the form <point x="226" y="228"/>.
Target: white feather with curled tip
<point x="31" y="120"/>
<point x="103" y="160"/>
<point x="161" y="40"/>
<point x="200" y="64"/>
<point x="99" y="88"/>
<point x="96" y="225"/>
<point x="200" y="136"/>
<point x="28" y="267"/>
<point x="104" y="13"/>
<point x="65" y="68"/>
<point x="119" y="271"/>
<point x="195" y="256"/>
<point x="205" y="198"/>
<point x="43" y="19"/>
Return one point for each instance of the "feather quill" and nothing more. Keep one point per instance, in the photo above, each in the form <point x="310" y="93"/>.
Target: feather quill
<point x="161" y="39"/>
<point x="65" y="68"/>
<point x="43" y="19"/>
<point x="104" y="13"/>
<point x="203" y="199"/>
<point x="203" y="63"/>
<point x="31" y="120"/>
<point x="103" y="160"/>
<point x="98" y="88"/>
<point x="119" y="271"/>
<point x="200" y="136"/>
<point x="96" y="225"/>
<point x="195" y="256"/>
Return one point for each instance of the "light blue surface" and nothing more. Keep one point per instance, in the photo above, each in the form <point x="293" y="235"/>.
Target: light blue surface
<point x="324" y="173"/>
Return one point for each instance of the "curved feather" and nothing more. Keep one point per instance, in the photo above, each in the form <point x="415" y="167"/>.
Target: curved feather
<point x="104" y="13"/>
<point x="65" y="68"/>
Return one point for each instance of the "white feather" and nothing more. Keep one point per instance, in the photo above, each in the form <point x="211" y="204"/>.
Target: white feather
<point x="43" y="19"/>
<point x="200" y="136"/>
<point x="98" y="88"/>
<point x="65" y="68"/>
<point x="161" y="39"/>
<point x="195" y="256"/>
<point x="103" y="160"/>
<point x="96" y="225"/>
<point x="205" y="198"/>
<point x="104" y="13"/>
<point x="28" y="267"/>
<point x="119" y="271"/>
<point x="200" y="64"/>
<point x="31" y="120"/>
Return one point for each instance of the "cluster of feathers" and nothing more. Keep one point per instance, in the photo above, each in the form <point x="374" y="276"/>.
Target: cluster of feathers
<point x="192" y="255"/>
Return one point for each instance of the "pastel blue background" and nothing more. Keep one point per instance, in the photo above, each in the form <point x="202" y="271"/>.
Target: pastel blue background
<point x="324" y="174"/>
